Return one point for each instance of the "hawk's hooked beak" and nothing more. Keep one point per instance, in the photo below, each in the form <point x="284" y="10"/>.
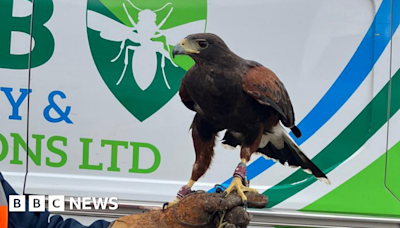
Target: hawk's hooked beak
<point x="184" y="47"/>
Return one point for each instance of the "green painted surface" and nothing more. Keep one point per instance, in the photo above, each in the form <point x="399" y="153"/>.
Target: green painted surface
<point x="184" y="12"/>
<point x="142" y="103"/>
<point x="393" y="172"/>
<point x="393" y="158"/>
<point x="44" y="40"/>
<point x="363" y="127"/>
<point x="365" y="193"/>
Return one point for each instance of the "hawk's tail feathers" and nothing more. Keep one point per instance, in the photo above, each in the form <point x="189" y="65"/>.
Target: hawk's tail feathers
<point x="280" y="146"/>
<point x="296" y="131"/>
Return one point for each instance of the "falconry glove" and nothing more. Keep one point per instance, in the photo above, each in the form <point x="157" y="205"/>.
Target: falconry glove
<point x="201" y="210"/>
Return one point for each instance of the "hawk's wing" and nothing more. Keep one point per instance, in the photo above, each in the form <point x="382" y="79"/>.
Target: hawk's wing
<point x="264" y="86"/>
<point x="185" y="97"/>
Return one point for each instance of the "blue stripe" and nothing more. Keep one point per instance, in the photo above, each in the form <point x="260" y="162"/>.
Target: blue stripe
<point x="358" y="68"/>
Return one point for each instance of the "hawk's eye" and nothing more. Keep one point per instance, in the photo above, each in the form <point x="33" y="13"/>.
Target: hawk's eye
<point x="202" y="44"/>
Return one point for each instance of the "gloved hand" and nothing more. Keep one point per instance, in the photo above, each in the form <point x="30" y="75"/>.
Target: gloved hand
<point x="201" y="210"/>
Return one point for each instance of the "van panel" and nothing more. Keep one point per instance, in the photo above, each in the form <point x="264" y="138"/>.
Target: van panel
<point x="15" y="45"/>
<point x="107" y="125"/>
<point x="393" y="156"/>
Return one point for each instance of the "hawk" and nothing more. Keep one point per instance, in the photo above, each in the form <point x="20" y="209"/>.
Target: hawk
<point x="242" y="97"/>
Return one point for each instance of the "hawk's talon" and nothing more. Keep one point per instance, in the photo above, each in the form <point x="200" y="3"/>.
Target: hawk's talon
<point x="245" y="205"/>
<point x="165" y="205"/>
<point x="183" y="192"/>
<point x="237" y="183"/>
<point x="172" y="203"/>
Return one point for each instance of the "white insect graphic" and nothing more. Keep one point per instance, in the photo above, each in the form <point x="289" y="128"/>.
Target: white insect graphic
<point x="144" y="59"/>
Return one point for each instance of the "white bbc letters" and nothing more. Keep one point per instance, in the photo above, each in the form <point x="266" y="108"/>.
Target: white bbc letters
<point x="16" y="203"/>
<point x="56" y="203"/>
<point x="37" y="203"/>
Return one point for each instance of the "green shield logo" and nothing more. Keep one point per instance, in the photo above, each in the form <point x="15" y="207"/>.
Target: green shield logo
<point x="131" y="43"/>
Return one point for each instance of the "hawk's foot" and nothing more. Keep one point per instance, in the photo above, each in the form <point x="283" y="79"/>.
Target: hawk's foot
<point x="240" y="183"/>
<point x="237" y="184"/>
<point x="183" y="191"/>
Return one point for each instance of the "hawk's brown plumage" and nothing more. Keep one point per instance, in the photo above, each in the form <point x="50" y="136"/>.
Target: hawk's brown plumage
<point x="243" y="97"/>
<point x="263" y="85"/>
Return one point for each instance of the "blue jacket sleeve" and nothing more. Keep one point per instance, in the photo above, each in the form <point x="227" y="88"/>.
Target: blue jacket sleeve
<point x="40" y="219"/>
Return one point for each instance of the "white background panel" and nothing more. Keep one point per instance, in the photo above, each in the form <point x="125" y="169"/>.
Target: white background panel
<point x="306" y="43"/>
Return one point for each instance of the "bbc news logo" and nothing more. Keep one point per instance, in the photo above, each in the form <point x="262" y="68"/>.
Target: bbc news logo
<point x="37" y="203"/>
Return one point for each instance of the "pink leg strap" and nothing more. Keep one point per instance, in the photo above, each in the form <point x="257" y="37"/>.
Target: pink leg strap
<point x="240" y="171"/>
<point x="185" y="190"/>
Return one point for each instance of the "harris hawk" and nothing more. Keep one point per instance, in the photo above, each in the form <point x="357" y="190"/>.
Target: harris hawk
<point x="242" y="97"/>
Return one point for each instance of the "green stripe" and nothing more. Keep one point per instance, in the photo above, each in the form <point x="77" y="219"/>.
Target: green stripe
<point x="393" y="168"/>
<point x="363" y="127"/>
<point x="365" y="193"/>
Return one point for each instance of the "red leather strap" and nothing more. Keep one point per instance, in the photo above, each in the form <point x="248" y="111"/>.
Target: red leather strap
<point x="240" y="171"/>
<point x="185" y="190"/>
